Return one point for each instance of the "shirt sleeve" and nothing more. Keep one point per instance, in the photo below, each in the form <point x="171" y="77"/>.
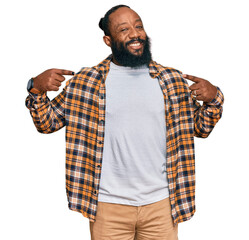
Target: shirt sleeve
<point x="207" y="115"/>
<point x="48" y="116"/>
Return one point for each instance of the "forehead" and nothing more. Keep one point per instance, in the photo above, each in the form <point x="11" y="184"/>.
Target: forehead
<point x="121" y="16"/>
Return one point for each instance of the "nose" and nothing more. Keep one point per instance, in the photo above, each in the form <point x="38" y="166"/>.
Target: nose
<point x="134" y="33"/>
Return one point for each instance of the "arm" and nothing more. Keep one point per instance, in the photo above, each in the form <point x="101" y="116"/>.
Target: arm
<point x="207" y="115"/>
<point x="48" y="116"/>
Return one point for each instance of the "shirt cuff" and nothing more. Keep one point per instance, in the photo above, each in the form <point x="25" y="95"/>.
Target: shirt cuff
<point x="36" y="100"/>
<point x="38" y="96"/>
<point x="35" y="91"/>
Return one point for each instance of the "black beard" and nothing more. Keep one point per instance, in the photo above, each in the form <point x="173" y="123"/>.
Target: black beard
<point x="123" y="56"/>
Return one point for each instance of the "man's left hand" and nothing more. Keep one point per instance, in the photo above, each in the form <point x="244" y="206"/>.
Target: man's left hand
<point x="202" y="89"/>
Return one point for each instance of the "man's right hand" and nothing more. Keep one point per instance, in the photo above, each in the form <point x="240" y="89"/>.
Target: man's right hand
<point x="50" y="80"/>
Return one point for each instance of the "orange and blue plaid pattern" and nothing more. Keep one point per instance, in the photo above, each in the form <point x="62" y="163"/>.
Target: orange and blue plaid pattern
<point x="81" y="108"/>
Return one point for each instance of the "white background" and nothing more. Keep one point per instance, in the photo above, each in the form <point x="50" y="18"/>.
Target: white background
<point x="208" y="39"/>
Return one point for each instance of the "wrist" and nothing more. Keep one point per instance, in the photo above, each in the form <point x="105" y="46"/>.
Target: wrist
<point x="35" y="85"/>
<point x="32" y="87"/>
<point x="214" y="94"/>
<point x="218" y="99"/>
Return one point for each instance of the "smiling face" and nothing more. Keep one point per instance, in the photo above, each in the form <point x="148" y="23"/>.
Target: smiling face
<point x="127" y="37"/>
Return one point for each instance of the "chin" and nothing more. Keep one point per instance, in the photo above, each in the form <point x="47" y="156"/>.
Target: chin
<point x="137" y="53"/>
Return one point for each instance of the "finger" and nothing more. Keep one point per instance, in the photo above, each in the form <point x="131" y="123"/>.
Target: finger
<point x="194" y="86"/>
<point x="196" y="92"/>
<point x="59" y="77"/>
<point x="63" y="72"/>
<point x="192" y="78"/>
<point x="56" y="83"/>
<point x="53" y="88"/>
<point x="199" y="98"/>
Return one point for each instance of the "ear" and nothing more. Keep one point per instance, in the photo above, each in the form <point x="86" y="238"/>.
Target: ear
<point x="107" y="40"/>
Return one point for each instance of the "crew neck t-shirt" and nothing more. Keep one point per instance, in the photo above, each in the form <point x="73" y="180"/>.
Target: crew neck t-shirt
<point x="134" y="155"/>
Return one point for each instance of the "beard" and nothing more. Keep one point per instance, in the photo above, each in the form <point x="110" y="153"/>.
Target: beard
<point x="125" y="58"/>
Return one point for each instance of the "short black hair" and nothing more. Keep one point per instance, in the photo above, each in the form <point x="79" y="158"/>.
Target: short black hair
<point x="104" y="21"/>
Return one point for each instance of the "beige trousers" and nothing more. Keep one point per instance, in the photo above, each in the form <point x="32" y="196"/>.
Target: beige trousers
<point x="125" y="222"/>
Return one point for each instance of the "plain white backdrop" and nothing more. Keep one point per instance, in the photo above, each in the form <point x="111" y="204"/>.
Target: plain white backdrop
<point x="208" y="39"/>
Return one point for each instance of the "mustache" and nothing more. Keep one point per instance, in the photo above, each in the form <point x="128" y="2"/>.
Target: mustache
<point x="135" y="40"/>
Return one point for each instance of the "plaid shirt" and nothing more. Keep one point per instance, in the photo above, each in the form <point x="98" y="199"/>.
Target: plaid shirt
<point x="81" y="108"/>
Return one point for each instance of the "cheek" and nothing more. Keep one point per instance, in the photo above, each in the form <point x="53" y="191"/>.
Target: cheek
<point x="144" y="35"/>
<point x="123" y="36"/>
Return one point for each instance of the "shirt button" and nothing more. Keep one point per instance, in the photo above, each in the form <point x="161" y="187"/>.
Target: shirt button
<point x="102" y="96"/>
<point x="95" y="192"/>
<point x="100" y="142"/>
<point x="101" y="122"/>
<point x="98" y="166"/>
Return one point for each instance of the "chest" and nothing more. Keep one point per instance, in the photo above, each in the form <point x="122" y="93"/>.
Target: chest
<point x="133" y="94"/>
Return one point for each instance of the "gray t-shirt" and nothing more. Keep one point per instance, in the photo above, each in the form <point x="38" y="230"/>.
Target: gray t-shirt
<point x="134" y="155"/>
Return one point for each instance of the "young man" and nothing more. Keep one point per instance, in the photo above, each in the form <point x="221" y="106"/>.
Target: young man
<point x="130" y="127"/>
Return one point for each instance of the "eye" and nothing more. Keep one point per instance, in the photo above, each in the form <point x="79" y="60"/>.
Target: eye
<point x="139" y="27"/>
<point x="124" y="29"/>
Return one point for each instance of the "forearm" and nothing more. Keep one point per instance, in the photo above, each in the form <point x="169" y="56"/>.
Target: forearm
<point x="48" y="116"/>
<point x="207" y="115"/>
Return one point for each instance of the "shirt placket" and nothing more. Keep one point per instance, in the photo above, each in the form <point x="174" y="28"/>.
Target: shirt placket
<point x="168" y="121"/>
<point x="100" y="137"/>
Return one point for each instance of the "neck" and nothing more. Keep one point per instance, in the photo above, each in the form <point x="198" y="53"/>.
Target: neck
<point x="115" y="61"/>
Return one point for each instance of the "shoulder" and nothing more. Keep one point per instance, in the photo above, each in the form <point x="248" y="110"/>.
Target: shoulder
<point x="88" y="73"/>
<point x="86" y="76"/>
<point x="93" y="74"/>
<point x="166" y="70"/>
<point x="172" y="78"/>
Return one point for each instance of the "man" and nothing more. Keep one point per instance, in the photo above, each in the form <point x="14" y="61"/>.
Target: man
<point x="130" y="125"/>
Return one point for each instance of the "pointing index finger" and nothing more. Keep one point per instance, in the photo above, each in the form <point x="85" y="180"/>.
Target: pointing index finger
<point x="192" y="78"/>
<point x="64" y="72"/>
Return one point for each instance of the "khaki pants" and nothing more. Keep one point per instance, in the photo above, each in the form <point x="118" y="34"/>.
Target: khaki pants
<point x="124" y="222"/>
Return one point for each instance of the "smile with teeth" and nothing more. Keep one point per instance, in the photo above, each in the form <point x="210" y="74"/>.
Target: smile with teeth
<point x="135" y="45"/>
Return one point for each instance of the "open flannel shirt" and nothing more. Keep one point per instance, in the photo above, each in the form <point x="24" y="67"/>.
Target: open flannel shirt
<point x="81" y="108"/>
